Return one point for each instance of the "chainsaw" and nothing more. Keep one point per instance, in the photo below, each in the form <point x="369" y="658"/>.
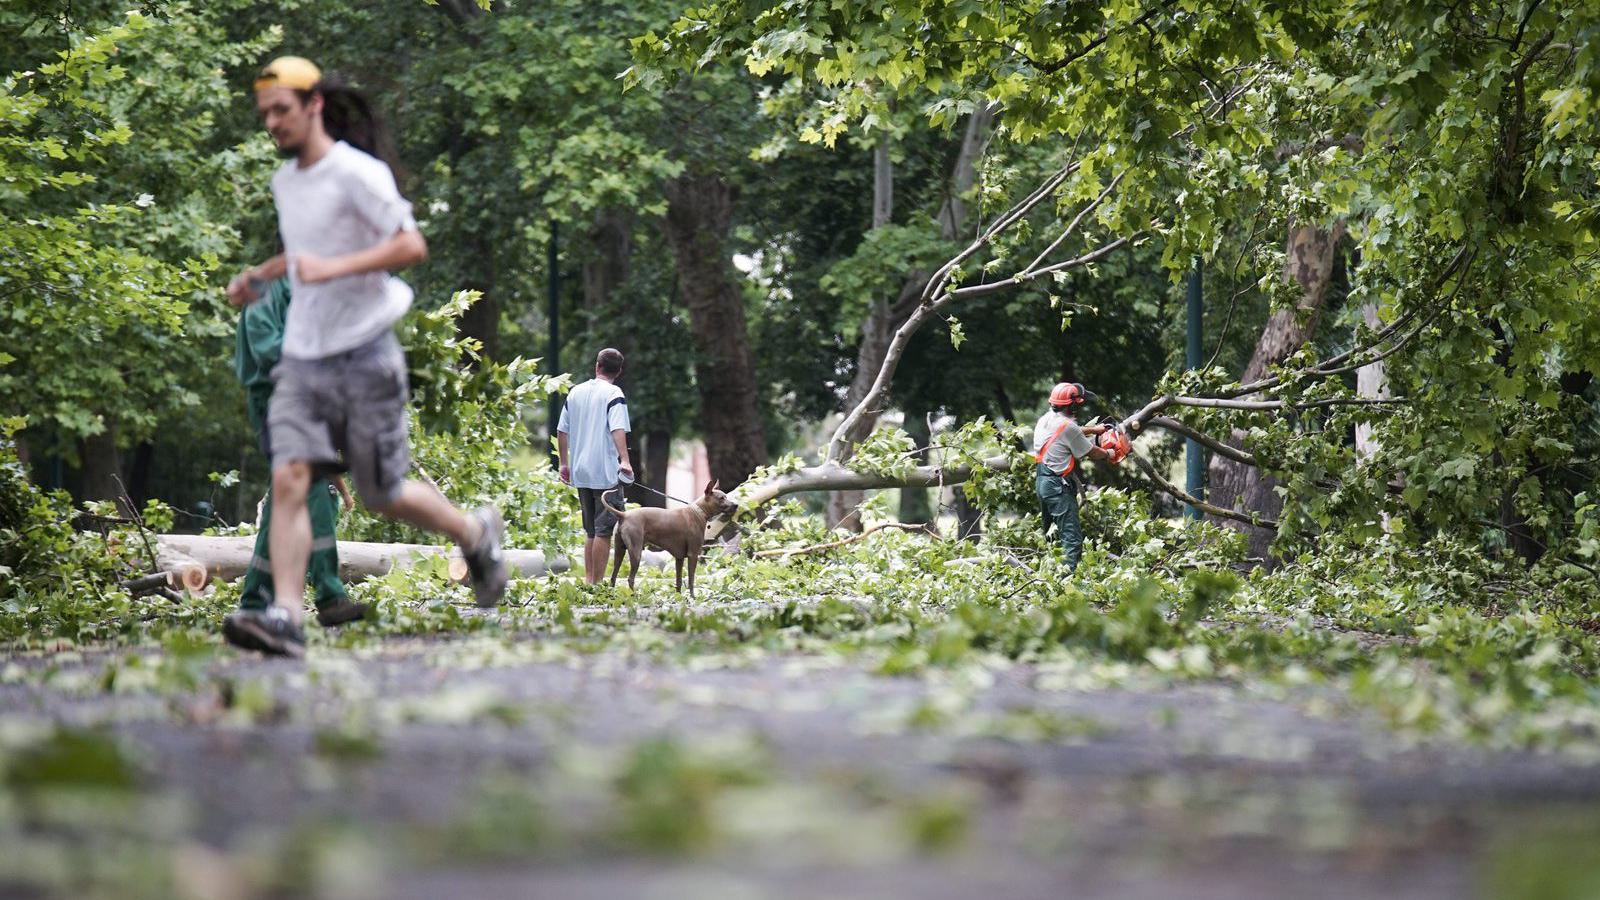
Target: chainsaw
<point x="1114" y="441"/>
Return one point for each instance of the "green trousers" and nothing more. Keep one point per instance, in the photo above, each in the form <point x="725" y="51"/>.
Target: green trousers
<point x="322" y="571"/>
<point x="1058" y="498"/>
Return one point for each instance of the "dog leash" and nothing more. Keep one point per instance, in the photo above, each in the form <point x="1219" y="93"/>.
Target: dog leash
<point x="637" y="484"/>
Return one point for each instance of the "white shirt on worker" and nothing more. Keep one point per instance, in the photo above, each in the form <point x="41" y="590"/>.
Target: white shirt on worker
<point x="1072" y="442"/>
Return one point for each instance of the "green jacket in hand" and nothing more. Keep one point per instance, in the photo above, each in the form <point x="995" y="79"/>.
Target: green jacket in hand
<point x="259" y="346"/>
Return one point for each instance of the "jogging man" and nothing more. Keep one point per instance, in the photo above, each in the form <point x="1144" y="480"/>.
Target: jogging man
<point x="259" y="345"/>
<point x="1059" y="443"/>
<point x="594" y="429"/>
<point x="341" y="396"/>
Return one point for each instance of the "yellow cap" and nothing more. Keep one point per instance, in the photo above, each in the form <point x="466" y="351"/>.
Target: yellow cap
<point x="294" y="72"/>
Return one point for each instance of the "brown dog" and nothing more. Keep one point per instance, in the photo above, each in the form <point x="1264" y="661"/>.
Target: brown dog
<point x="680" y="532"/>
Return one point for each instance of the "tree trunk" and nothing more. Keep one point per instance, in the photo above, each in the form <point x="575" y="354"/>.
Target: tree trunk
<point x="610" y="260"/>
<point x="139" y="473"/>
<point x="914" y="505"/>
<point x="1234" y="485"/>
<point x="482" y="319"/>
<point x="885" y="318"/>
<point x="102" y="466"/>
<point x="228" y="558"/>
<point x="969" y="517"/>
<point x="843" y="506"/>
<point x="699" y="217"/>
<point x="953" y="213"/>
<point x="657" y="457"/>
<point x="606" y="268"/>
<point x="1370" y="382"/>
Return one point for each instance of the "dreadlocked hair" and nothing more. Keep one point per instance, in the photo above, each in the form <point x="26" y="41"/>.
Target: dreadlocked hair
<point x="348" y="116"/>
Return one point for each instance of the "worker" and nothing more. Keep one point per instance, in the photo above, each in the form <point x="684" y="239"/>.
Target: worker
<point x="1059" y="446"/>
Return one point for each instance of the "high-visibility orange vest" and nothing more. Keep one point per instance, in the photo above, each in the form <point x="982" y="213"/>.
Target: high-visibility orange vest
<point x="1072" y="461"/>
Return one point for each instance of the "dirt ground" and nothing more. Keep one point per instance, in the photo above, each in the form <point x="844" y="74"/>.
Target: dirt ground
<point x="502" y="766"/>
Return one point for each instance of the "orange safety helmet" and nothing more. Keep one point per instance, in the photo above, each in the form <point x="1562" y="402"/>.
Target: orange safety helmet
<point x="1069" y="393"/>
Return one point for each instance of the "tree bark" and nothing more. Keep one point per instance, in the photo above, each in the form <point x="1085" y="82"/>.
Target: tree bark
<point x="606" y="268"/>
<point x="139" y="473"/>
<point x="1311" y="253"/>
<point x="884" y="317"/>
<point x="482" y="319"/>
<point x="228" y="558"/>
<point x="953" y="213"/>
<point x="657" y="457"/>
<point x="1371" y="382"/>
<point x="969" y="516"/>
<point x="832" y="477"/>
<point x="699" y="216"/>
<point x="915" y="508"/>
<point x="843" y="510"/>
<point x="102" y="466"/>
<point x="611" y="258"/>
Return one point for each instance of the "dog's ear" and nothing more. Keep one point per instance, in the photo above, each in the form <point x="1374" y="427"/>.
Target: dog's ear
<point x="711" y="487"/>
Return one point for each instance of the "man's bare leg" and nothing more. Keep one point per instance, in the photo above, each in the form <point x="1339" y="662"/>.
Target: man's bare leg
<point x="420" y="504"/>
<point x="289" y="537"/>
<point x="480" y="535"/>
<point x="595" y="551"/>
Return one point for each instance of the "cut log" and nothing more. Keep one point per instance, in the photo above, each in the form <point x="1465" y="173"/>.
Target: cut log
<point x="178" y="574"/>
<point x="228" y="558"/>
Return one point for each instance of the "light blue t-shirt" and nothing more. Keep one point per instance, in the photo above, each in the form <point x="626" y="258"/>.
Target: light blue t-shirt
<point x="593" y="410"/>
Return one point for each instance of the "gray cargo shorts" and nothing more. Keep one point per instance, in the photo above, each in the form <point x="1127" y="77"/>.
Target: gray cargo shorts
<point x="345" y="413"/>
<point x="598" y="521"/>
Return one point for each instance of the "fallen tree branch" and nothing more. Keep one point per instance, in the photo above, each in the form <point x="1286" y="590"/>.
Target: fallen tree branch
<point x="937" y="293"/>
<point x="1196" y="502"/>
<point x="991" y="287"/>
<point x="830" y="476"/>
<point x="1216" y="446"/>
<point x="1335" y="365"/>
<point x="1268" y="405"/>
<point x="818" y="548"/>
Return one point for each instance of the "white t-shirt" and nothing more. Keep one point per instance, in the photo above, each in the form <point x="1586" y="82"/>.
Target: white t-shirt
<point x="593" y="410"/>
<point x="1072" y="442"/>
<point x="346" y="202"/>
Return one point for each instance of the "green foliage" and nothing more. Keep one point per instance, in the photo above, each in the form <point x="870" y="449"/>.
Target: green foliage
<point x="667" y="793"/>
<point x="115" y="191"/>
<point x="55" y="580"/>
<point x="878" y="267"/>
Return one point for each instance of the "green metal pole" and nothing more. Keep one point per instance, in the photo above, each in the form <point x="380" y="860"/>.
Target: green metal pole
<point x="1196" y="485"/>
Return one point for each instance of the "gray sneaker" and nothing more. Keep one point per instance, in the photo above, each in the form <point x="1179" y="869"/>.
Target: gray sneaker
<point x="486" y="562"/>
<point x="273" y="635"/>
<point x="235" y="632"/>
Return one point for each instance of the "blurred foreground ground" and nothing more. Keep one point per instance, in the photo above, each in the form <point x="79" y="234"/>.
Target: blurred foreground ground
<point x="510" y="766"/>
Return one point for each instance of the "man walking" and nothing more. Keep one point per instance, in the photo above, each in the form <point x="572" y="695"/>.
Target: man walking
<point x="341" y="394"/>
<point x="1059" y="443"/>
<point x="259" y="346"/>
<point x="594" y="430"/>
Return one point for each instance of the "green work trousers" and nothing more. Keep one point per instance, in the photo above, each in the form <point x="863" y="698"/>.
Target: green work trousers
<point x="323" y="569"/>
<point x="1058" y="498"/>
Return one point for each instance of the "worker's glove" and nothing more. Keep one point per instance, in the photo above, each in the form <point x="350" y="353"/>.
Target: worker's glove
<point x="1115" y="443"/>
